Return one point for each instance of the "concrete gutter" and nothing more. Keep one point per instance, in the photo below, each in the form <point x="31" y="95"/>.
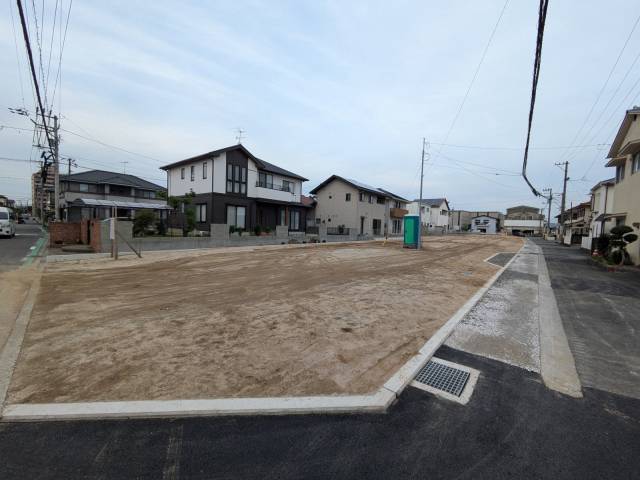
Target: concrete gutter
<point x="377" y="402"/>
<point x="557" y="366"/>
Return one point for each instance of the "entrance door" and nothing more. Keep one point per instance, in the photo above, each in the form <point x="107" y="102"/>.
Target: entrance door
<point x="361" y="225"/>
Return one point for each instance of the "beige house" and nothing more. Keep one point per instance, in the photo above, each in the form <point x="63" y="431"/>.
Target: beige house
<point x="343" y="203"/>
<point x="624" y="155"/>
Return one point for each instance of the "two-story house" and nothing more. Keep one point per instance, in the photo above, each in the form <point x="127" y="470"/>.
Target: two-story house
<point x="368" y="211"/>
<point x="95" y="194"/>
<point x="434" y="211"/>
<point x="576" y="222"/>
<point x="232" y="186"/>
<point x="524" y="221"/>
<point x="624" y="155"/>
<point x="602" y="195"/>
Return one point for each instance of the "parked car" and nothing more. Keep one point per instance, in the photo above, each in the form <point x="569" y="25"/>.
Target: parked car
<point x="7" y="222"/>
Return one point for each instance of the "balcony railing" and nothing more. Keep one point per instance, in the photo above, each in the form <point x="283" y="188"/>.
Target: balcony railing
<point x="398" y="212"/>
<point x="273" y="186"/>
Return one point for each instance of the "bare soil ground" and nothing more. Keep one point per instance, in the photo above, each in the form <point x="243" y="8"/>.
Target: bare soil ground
<point x="14" y="286"/>
<point x="243" y="322"/>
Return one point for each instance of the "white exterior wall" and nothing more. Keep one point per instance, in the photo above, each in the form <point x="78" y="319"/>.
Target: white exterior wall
<point x="519" y="224"/>
<point x="220" y="173"/>
<point x="489" y="227"/>
<point x="602" y="203"/>
<point x="179" y="187"/>
<point x="269" y="193"/>
<point x="431" y="216"/>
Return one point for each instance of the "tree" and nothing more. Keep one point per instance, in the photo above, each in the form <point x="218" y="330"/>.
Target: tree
<point x="189" y="212"/>
<point x="142" y="221"/>
<point x="620" y="237"/>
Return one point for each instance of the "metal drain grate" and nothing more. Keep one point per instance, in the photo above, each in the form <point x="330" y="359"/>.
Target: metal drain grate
<point x="443" y="377"/>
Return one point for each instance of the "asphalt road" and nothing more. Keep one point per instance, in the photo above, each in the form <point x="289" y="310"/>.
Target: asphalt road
<point x="599" y="310"/>
<point x="13" y="251"/>
<point x="513" y="427"/>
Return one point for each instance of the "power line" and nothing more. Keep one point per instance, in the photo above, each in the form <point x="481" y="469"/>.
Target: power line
<point x="15" y="41"/>
<point x="542" y="17"/>
<point x="604" y="86"/>
<point x="64" y="42"/>
<point x="473" y="79"/>
<point x="484" y="147"/>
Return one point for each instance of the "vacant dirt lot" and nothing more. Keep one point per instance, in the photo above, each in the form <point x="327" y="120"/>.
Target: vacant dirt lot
<point x="274" y="321"/>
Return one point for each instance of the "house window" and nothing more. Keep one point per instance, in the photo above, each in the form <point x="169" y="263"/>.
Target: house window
<point x="294" y="220"/>
<point x="201" y="212"/>
<point x="370" y="198"/>
<point x="287" y="186"/>
<point x="397" y="226"/>
<point x="84" y="187"/>
<point x="204" y="170"/>
<point x="347" y="197"/>
<point x="265" y="180"/>
<point x="380" y="200"/>
<point x="620" y="173"/>
<point x="398" y="204"/>
<point x="182" y="173"/>
<point x="193" y="172"/>
<point x="635" y="163"/>
<point x="236" y="179"/>
<point x="282" y="217"/>
<point x="361" y="196"/>
<point x="236" y="216"/>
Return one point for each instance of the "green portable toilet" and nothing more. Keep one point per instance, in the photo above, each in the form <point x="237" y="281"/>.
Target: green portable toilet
<point x="411" y="231"/>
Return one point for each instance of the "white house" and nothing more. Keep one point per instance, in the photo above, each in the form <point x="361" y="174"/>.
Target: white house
<point x="232" y="186"/>
<point x="484" y="224"/>
<point x="602" y="195"/>
<point x="435" y="213"/>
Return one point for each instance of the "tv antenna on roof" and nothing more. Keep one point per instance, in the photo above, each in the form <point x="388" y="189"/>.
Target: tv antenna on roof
<point x="124" y="166"/>
<point x="240" y="135"/>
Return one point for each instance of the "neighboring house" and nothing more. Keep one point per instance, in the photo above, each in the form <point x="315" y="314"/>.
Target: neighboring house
<point x="435" y="213"/>
<point x="602" y="195"/>
<point x="624" y="155"/>
<point x="576" y="223"/>
<point x="309" y="202"/>
<point x="460" y="220"/>
<point x="485" y="224"/>
<point x="524" y="221"/>
<point x="232" y="186"/>
<point x="95" y="193"/>
<point x="6" y="202"/>
<point x="369" y="211"/>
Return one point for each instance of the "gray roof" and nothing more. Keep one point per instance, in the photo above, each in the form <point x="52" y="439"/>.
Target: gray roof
<point x="360" y="186"/>
<point x="262" y="164"/>
<point x="432" y="202"/>
<point x="96" y="202"/>
<point x="113" y="178"/>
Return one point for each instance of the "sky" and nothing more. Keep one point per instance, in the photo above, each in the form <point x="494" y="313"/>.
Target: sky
<point x="330" y="87"/>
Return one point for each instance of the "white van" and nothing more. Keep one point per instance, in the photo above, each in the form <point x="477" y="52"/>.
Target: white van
<point x="7" y="222"/>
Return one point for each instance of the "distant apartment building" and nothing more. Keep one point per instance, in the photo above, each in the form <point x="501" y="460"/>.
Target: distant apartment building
<point x="435" y="213"/>
<point x="460" y="220"/>
<point x="234" y="187"/>
<point x="6" y="202"/>
<point x="524" y="221"/>
<point x="344" y="203"/>
<point x="99" y="194"/>
<point x="624" y="156"/>
<point x="42" y="194"/>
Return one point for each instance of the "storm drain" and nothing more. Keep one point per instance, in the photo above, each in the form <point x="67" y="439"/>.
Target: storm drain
<point x="443" y="377"/>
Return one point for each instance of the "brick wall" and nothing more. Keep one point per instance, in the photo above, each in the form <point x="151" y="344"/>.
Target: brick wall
<point x="63" y="233"/>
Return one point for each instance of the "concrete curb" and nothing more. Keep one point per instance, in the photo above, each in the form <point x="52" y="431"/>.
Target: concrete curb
<point x="557" y="366"/>
<point x="11" y="350"/>
<point x="377" y="402"/>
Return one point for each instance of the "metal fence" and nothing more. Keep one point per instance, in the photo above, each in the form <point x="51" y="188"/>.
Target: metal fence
<point x="312" y="230"/>
<point x="338" y="231"/>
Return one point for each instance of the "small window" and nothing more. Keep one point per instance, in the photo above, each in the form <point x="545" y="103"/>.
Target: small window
<point x="182" y="173"/>
<point x="370" y="198"/>
<point x="201" y="212"/>
<point x="287" y="186"/>
<point x="84" y="187"/>
<point x="362" y="196"/>
<point x="381" y="200"/>
<point x="635" y="163"/>
<point x="619" y="173"/>
<point x="193" y="172"/>
<point x="347" y="197"/>
<point x="204" y="170"/>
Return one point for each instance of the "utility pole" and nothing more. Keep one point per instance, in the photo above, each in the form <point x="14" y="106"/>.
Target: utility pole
<point x="564" y="200"/>
<point x="56" y="168"/>
<point x="424" y="144"/>
<point x="549" y="199"/>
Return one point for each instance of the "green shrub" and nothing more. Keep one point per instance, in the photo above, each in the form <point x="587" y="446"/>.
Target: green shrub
<point x="257" y="230"/>
<point x="142" y="221"/>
